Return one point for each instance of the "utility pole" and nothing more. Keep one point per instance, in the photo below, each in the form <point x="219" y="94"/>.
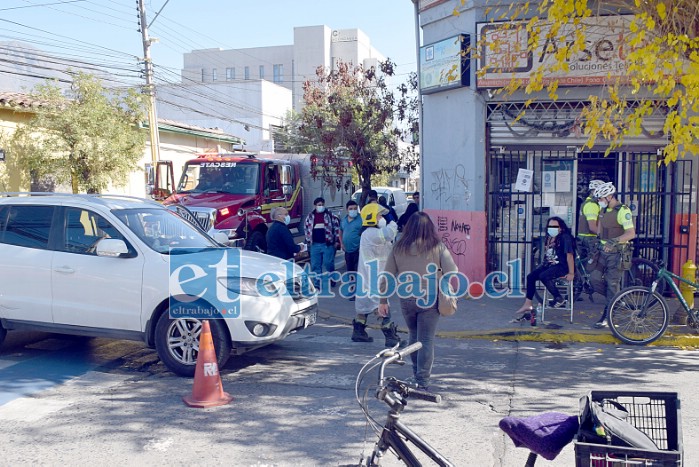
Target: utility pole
<point x="150" y="87"/>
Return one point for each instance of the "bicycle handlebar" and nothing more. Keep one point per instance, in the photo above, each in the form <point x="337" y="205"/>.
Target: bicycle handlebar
<point x="424" y="395"/>
<point x="395" y="355"/>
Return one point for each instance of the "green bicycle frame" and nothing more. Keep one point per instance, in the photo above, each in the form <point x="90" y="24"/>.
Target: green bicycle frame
<point x="667" y="276"/>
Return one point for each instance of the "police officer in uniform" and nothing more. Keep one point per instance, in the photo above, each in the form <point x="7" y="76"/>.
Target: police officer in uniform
<point x="616" y="230"/>
<point x="587" y="223"/>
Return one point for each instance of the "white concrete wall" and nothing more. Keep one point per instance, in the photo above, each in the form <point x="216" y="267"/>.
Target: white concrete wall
<point x="453" y="147"/>
<point x="220" y="59"/>
<point x="313" y="46"/>
<point x="311" y="50"/>
<point x="244" y="108"/>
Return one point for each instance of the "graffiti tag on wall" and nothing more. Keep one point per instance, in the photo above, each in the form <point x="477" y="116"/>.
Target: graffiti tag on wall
<point x="463" y="233"/>
<point x="450" y="186"/>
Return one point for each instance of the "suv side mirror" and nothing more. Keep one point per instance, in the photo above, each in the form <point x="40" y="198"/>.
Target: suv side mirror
<point x="113" y="247"/>
<point x="220" y="237"/>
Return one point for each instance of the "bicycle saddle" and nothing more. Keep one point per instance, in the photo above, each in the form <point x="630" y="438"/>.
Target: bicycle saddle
<point x="545" y="434"/>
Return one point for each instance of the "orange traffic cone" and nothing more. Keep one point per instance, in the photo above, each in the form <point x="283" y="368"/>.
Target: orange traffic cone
<point x="207" y="390"/>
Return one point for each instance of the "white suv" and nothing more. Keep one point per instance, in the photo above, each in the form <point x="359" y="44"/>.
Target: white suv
<point x="101" y="266"/>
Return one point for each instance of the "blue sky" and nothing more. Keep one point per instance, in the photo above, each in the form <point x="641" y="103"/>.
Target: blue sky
<point x="105" y="31"/>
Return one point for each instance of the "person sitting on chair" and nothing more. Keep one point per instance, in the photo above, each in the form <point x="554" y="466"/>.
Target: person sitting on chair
<point x="559" y="261"/>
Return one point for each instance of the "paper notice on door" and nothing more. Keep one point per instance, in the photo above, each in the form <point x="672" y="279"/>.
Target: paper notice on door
<point x="548" y="181"/>
<point x="548" y="199"/>
<point x="524" y="180"/>
<point x="564" y="212"/>
<point x="563" y="180"/>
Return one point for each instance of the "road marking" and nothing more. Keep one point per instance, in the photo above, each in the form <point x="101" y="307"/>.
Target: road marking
<point x="39" y="373"/>
<point x="29" y="409"/>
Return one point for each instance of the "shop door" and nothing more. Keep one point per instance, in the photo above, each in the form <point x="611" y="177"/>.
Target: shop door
<point x="519" y="209"/>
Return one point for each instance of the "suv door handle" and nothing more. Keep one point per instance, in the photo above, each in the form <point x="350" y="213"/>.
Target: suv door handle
<point x="65" y="270"/>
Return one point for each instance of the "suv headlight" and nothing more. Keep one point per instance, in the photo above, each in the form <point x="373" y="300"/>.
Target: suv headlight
<point x="249" y="286"/>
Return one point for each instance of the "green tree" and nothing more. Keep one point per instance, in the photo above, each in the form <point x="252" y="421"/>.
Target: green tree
<point x="88" y="140"/>
<point x="661" y="47"/>
<point x="351" y="116"/>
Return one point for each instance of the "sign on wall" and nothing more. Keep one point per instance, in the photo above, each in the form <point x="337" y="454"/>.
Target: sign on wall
<point x="503" y="56"/>
<point x="445" y="64"/>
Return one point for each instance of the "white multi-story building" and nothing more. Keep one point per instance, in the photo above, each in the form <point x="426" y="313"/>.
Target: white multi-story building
<point x="247" y="92"/>
<point x="286" y="65"/>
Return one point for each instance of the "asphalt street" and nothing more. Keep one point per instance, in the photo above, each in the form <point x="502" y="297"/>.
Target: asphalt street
<point x="108" y="402"/>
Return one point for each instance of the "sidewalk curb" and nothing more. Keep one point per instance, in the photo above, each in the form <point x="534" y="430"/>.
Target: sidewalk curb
<point x="670" y="339"/>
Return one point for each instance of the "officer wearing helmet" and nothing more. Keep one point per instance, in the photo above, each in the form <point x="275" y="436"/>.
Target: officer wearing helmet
<point x="616" y="230"/>
<point x="587" y="222"/>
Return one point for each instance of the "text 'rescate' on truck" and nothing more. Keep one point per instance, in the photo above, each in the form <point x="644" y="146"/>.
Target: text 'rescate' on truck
<point x="234" y="193"/>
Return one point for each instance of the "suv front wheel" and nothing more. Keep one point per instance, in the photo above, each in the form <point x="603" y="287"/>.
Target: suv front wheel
<point x="177" y="343"/>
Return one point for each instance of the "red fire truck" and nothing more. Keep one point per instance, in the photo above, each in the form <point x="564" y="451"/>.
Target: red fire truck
<point x="234" y="193"/>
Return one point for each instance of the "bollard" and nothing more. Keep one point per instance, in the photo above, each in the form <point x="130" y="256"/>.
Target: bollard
<point x="689" y="272"/>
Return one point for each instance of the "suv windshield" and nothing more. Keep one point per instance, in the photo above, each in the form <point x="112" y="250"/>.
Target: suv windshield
<point x="162" y="229"/>
<point x="237" y="178"/>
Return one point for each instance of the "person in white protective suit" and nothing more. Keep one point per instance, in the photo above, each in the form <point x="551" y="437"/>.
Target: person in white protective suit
<point x="374" y="247"/>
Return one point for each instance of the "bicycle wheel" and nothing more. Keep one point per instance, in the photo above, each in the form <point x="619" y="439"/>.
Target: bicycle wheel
<point x="636" y="317"/>
<point x="642" y="273"/>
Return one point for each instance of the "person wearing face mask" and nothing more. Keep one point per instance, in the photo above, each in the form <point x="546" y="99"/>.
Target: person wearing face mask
<point x="350" y="234"/>
<point x="374" y="247"/>
<point x="322" y="233"/>
<point x="559" y="261"/>
<point x="280" y="242"/>
<point x="616" y="230"/>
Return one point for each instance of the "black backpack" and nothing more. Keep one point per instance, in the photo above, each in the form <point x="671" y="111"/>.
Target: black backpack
<point x="605" y="423"/>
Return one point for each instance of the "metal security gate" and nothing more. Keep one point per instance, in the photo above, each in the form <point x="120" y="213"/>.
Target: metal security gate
<point x="519" y="210"/>
<point x="659" y="196"/>
<point x="662" y="201"/>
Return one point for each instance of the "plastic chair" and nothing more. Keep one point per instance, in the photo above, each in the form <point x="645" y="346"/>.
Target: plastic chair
<point x="569" y="296"/>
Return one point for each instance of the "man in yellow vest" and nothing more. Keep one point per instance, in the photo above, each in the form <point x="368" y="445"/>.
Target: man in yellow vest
<point x="587" y="223"/>
<point x="616" y="230"/>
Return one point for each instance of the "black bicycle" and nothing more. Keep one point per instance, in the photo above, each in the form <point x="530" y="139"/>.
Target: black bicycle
<point x="394" y="435"/>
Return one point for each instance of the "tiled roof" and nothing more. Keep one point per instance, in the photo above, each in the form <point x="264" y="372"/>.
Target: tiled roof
<point x="17" y="99"/>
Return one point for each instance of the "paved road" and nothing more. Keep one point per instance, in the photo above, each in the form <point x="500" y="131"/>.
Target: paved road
<point x="73" y="400"/>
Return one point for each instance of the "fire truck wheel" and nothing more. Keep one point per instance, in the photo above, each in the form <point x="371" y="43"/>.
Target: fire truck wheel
<point x="257" y="242"/>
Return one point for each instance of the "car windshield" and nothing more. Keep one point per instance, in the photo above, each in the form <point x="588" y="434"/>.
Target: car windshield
<point x="237" y="178"/>
<point x="162" y="230"/>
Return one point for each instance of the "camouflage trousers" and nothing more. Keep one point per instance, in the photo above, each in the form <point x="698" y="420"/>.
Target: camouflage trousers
<point x="606" y="273"/>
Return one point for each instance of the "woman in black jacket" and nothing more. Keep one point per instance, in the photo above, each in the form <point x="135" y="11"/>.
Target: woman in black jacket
<point x="559" y="261"/>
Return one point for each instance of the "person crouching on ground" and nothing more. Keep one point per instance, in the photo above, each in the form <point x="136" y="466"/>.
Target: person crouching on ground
<point x="374" y="246"/>
<point x="418" y="247"/>
<point x="559" y="261"/>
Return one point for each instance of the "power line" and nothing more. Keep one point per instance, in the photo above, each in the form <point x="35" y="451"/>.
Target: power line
<point x="40" y="4"/>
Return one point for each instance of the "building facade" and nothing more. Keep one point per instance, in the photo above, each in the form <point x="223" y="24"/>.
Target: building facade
<point x="493" y="175"/>
<point x="179" y="142"/>
<point x="288" y="66"/>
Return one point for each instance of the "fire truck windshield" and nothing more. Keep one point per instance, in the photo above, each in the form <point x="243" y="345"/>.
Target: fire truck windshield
<point x="237" y="178"/>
